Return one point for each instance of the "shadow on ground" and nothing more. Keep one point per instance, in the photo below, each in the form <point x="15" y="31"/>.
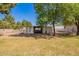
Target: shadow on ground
<point x="36" y="36"/>
<point x="43" y="36"/>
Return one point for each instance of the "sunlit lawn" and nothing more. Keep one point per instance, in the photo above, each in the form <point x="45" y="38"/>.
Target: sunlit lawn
<point x="28" y="46"/>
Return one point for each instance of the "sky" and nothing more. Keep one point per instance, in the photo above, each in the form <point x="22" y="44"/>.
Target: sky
<point x="23" y="11"/>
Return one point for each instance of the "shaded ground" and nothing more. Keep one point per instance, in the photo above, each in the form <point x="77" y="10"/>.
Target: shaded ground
<point x="42" y="36"/>
<point x="29" y="46"/>
<point x="35" y="36"/>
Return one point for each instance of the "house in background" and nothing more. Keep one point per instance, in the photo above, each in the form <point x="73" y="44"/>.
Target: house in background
<point x="40" y="30"/>
<point x="49" y="30"/>
<point x="37" y="30"/>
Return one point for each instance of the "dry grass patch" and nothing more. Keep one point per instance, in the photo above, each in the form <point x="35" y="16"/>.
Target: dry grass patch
<point x="16" y="46"/>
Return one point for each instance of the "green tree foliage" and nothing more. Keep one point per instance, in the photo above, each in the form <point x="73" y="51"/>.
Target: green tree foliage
<point x="70" y="14"/>
<point x="76" y="15"/>
<point x="18" y="25"/>
<point x="9" y="21"/>
<point x="9" y="18"/>
<point x="70" y="20"/>
<point x="41" y="21"/>
<point x="1" y="24"/>
<point x="4" y="25"/>
<point x="26" y="23"/>
<point x="41" y="13"/>
<point x="6" y="7"/>
<point x="23" y="23"/>
<point x="47" y="13"/>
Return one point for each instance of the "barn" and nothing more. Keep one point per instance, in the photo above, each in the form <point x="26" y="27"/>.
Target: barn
<point x="37" y="30"/>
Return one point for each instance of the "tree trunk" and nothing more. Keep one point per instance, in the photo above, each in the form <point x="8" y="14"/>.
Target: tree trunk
<point x="53" y="28"/>
<point x="77" y="29"/>
<point x="45" y="28"/>
<point x="77" y="25"/>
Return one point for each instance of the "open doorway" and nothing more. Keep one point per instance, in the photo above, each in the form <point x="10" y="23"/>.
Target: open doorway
<point x="38" y="29"/>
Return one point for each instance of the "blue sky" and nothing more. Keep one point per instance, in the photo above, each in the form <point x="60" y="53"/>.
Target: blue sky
<point x="23" y="11"/>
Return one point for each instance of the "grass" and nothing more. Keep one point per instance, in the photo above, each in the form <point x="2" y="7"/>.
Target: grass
<point x="29" y="46"/>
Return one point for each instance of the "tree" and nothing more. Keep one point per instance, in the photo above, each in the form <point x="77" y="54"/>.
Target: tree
<point x="6" y="7"/>
<point x="47" y="13"/>
<point x="53" y="14"/>
<point x="1" y="24"/>
<point x="41" y="13"/>
<point x="70" y="13"/>
<point x="76" y="15"/>
<point x="26" y="23"/>
<point x="9" y="19"/>
<point x="23" y="23"/>
<point x="41" y="10"/>
<point x="18" y="25"/>
<point x="41" y="21"/>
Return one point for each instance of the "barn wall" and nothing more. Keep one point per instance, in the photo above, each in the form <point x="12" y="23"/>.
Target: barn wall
<point x="71" y="29"/>
<point x="29" y="30"/>
<point x="48" y="30"/>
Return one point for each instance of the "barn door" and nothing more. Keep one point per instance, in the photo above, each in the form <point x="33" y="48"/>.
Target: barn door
<point x="38" y="30"/>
